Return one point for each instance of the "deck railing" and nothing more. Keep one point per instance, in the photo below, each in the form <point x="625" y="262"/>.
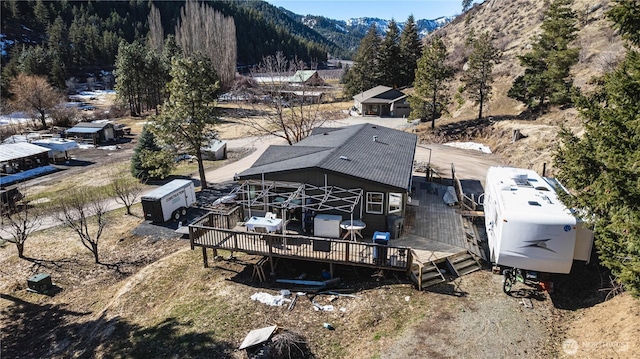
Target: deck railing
<point x="204" y="233"/>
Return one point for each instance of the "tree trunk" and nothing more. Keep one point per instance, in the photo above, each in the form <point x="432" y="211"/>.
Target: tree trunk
<point x="20" y="247"/>
<point x="94" y="250"/>
<point x="203" y="180"/>
<point x="481" y="103"/>
<point x="43" y="119"/>
<point x="433" y="111"/>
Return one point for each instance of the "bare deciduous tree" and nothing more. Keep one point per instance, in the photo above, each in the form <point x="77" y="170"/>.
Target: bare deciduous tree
<point x="82" y="208"/>
<point x="34" y="95"/>
<point x="287" y="111"/>
<point x="156" y="32"/>
<point x="127" y="189"/>
<point x="203" y="30"/>
<point x="21" y="224"/>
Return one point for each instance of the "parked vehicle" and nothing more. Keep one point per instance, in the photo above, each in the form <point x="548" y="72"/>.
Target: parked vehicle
<point x="528" y="227"/>
<point x="169" y="201"/>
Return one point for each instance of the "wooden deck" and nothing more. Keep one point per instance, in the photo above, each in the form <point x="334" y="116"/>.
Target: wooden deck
<point x="433" y="229"/>
<point x="335" y="251"/>
<point x="433" y="232"/>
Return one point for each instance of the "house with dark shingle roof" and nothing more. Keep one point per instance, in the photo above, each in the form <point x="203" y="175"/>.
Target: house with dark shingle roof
<point x="376" y="159"/>
<point x="382" y="101"/>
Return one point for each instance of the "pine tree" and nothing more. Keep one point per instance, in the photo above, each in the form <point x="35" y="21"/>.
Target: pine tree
<point x="478" y="76"/>
<point x="546" y="75"/>
<point x="364" y="75"/>
<point x="466" y="5"/>
<point x="58" y="51"/>
<point x="149" y="160"/>
<point x="188" y="117"/>
<point x="431" y="98"/>
<point x="389" y="57"/>
<point x="600" y="167"/>
<point x="410" y="51"/>
<point x="130" y="76"/>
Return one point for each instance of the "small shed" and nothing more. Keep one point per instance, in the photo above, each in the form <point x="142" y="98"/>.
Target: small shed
<point x="216" y="150"/>
<point x="93" y="133"/>
<point x="307" y="77"/>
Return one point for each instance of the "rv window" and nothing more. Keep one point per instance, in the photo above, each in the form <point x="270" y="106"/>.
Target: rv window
<point x="375" y="202"/>
<point x="534" y="203"/>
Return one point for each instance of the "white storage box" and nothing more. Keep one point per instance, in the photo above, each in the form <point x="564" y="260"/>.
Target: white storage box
<point x="327" y="225"/>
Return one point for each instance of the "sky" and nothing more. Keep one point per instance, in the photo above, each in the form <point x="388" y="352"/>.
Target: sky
<point x="383" y="9"/>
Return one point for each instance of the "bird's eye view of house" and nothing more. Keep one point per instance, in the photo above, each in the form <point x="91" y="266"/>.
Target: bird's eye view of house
<point x="339" y="196"/>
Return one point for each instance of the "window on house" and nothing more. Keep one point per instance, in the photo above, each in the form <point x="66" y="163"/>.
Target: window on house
<point x="375" y="202"/>
<point x="395" y="202"/>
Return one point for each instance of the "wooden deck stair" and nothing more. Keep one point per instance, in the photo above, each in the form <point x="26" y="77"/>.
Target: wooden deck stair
<point x="426" y="274"/>
<point x="463" y="263"/>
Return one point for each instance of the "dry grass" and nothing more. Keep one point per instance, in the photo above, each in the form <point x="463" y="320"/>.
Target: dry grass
<point x="514" y="23"/>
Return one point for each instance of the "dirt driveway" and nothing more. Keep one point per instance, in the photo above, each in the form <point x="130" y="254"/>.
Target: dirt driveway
<point x="469" y="164"/>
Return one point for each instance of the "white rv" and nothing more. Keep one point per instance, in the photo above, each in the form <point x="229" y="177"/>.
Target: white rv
<point x="527" y="225"/>
<point x="168" y="201"/>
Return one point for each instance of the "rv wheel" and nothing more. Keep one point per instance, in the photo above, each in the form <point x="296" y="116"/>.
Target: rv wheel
<point x="176" y="215"/>
<point x="183" y="211"/>
<point x="508" y="282"/>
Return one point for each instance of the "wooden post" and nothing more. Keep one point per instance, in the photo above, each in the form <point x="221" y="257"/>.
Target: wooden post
<point x="346" y="252"/>
<point x="269" y="243"/>
<point x="331" y="269"/>
<point x="204" y="257"/>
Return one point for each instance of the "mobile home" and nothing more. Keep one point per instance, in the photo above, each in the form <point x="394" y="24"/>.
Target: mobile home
<point x="527" y="226"/>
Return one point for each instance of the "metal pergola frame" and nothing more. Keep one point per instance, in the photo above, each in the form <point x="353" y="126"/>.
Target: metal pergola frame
<point x="291" y="195"/>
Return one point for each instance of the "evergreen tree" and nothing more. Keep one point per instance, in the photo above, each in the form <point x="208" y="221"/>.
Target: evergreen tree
<point x="363" y="75"/>
<point x="600" y="168"/>
<point x="431" y="97"/>
<point x="466" y="5"/>
<point x="149" y="160"/>
<point x="188" y="117"/>
<point x="58" y="51"/>
<point x="477" y="78"/>
<point x="389" y="57"/>
<point x="546" y="75"/>
<point x="130" y="76"/>
<point x="410" y="51"/>
<point x="141" y="75"/>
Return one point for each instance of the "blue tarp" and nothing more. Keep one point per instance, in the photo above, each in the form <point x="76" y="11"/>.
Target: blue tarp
<point x="25" y="175"/>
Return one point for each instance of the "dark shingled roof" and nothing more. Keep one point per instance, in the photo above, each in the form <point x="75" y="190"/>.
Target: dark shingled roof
<point x="380" y="94"/>
<point x="350" y="150"/>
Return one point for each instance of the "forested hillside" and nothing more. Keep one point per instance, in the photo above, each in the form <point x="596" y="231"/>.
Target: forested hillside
<point x="60" y="39"/>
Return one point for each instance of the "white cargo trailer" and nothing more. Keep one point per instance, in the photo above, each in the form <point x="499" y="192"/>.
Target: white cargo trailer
<point x="168" y="201"/>
<point x="527" y="226"/>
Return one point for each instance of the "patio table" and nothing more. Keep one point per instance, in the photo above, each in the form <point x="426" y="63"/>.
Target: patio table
<point x="353" y="228"/>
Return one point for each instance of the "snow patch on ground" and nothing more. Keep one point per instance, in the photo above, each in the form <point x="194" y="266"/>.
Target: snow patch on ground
<point x="470" y="146"/>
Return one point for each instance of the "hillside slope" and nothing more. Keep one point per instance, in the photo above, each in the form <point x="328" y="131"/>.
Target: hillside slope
<point x="514" y="23"/>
